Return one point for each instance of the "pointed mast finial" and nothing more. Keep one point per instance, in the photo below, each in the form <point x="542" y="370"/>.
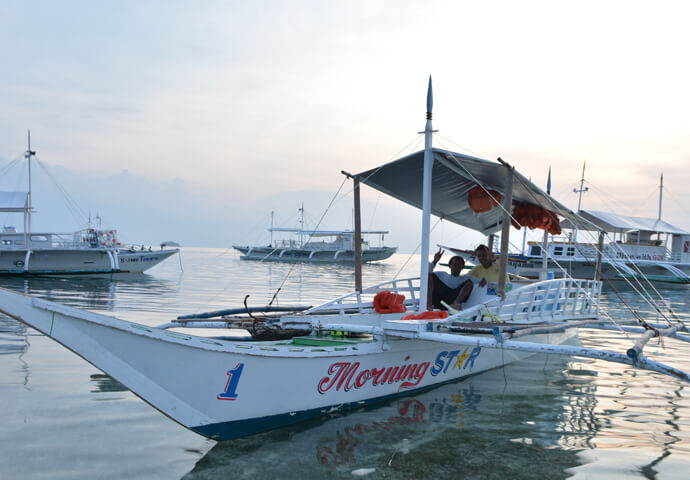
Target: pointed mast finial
<point x="429" y="100"/>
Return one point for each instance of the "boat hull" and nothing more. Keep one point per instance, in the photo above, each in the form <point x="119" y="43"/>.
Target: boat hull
<point x="64" y="261"/>
<point x="372" y="254"/>
<point x="224" y="389"/>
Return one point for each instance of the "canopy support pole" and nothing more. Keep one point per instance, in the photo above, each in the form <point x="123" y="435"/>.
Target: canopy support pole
<point x="505" y="231"/>
<point x="357" y="236"/>
<point x="600" y="249"/>
<point x="426" y="203"/>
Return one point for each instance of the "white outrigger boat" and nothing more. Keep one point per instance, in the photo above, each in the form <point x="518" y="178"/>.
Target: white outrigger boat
<point x="317" y="246"/>
<point x="88" y="251"/>
<point x="353" y="350"/>
<point x="332" y="246"/>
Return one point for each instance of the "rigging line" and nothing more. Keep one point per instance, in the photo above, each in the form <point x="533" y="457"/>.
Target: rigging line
<point x="417" y="140"/>
<point x="292" y="266"/>
<point x="509" y="214"/>
<point x="648" y="297"/>
<point x="373" y="213"/>
<point x="10" y="165"/>
<point x="69" y="201"/>
<point x="683" y="207"/>
<point x="500" y="204"/>
<point x="652" y="287"/>
<point x="644" y="293"/>
<point x="458" y="145"/>
<point x="620" y="205"/>
<point x="419" y="245"/>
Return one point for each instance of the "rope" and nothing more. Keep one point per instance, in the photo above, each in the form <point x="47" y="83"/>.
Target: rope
<point x="292" y="266"/>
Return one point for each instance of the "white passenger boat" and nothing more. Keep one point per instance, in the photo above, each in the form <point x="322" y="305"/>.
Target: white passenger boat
<point x="637" y="247"/>
<point x="327" y="246"/>
<point x="87" y="251"/>
<point x="357" y="349"/>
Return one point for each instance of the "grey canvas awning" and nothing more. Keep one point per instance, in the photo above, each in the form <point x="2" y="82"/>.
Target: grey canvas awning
<point x="614" y="222"/>
<point x="453" y="176"/>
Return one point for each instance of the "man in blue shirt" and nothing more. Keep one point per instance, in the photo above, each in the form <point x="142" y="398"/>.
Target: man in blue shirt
<point x="452" y="287"/>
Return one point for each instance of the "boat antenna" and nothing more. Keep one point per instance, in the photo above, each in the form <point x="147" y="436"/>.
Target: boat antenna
<point x="426" y="201"/>
<point x="545" y="241"/>
<point x="272" y="213"/>
<point x="661" y="191"/>
<point x="301" y="225"/>
<point x="580" y="190"/>
<point x="28" y="154"/>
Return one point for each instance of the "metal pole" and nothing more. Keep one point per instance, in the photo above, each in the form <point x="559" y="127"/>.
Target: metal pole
<point x="27" y="233"/>
<point x="505" y="232"/>
<point x="600" y="249"/>
<point x="579" y="201"/>
<point x="426" y="203"/>
<point x="661" y="192"/>
<point x="357" y="239"/>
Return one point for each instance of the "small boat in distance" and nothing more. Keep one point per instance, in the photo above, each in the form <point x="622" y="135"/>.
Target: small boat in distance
<point x="87" y="251"/>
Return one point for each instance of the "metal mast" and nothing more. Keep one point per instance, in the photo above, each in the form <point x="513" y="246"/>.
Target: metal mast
<point x="661" y="193"/>
<point x="426" y="202"/>
<point x="580" y="191"/>
<point x="28" y="154"/>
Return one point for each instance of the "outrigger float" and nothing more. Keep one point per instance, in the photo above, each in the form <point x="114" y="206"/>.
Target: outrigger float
<point x="354" y="350"/>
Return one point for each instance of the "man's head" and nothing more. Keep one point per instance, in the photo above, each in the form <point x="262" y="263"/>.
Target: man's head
<point x="456" y="264"/>
<point x="484" y="256"/>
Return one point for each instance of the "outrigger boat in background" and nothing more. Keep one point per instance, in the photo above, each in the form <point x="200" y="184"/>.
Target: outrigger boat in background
<point x="332" y="246"/>
<point x="363" y="347"/>
<point x="638" y="248"/>
<point x="336" y="246"/>
<point x="87" y="251"/>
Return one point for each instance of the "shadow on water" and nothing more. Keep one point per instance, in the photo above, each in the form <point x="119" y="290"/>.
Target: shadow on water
<point x="528" y="420"/>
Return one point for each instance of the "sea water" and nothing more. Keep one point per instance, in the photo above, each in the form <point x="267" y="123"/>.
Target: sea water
<point x="546" y="417"/>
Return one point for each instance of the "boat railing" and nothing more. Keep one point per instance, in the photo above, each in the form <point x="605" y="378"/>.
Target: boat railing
<point x="363" y="302"/>
<point x="548" y="300"/>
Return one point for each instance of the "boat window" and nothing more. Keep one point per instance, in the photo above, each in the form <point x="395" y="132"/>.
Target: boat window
<point x="558" y="250"/>
<point x="19" y="242"/>
<point x="535" y="250"/>
<point x="7" y="242"/>
<point x="39" y="238"/>
<point x="571" y="251"/>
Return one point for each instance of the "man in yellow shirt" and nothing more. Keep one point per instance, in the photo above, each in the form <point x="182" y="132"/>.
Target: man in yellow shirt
<point x="488" y="269"/>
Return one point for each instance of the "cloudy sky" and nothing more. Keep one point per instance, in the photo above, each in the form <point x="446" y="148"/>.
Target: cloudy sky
<point x="191" y="121"/>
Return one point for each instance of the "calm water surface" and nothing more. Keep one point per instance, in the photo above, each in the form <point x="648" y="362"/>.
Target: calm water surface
<point x="547" y="417"/>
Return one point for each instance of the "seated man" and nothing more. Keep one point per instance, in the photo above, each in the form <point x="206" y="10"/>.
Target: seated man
<point x="488" y="269"/>
<point x="451" y="287"/>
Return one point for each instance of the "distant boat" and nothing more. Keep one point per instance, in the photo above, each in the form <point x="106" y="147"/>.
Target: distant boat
<point x="87" y="251"/>
<point x="637" y="248"/>
<point x="331" y="246"/>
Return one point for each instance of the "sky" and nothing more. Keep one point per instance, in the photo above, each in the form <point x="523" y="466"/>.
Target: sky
<point x="192" y="121"/>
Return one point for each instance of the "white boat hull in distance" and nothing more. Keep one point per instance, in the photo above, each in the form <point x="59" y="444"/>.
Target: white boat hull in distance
<point x="67" y="261"/>
<point x="273" y="254"/>
<point x="140" y="261"/>
<point x="228" y="389"/>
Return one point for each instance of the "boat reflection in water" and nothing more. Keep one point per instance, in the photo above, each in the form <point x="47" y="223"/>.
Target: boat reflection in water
<point x="458" y="429"/>
<point x="88" y="292"/>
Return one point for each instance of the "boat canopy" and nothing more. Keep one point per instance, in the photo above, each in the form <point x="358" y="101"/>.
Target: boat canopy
<point x="13" y="202"/>
<point x="613" y="222"/>
<point x="453" y="176"/>
<point x="325" y="233"/>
